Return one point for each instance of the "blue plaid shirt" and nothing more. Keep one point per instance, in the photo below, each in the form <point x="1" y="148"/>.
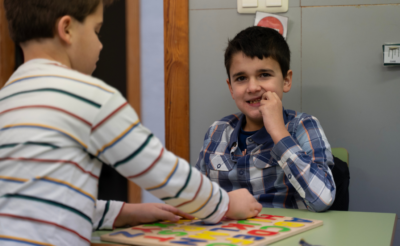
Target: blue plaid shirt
<point x="294" y="173"/>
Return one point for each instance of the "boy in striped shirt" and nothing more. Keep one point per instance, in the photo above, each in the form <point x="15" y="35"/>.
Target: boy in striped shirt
<point x="59" y="125"/>
<point x="281" y="156"/>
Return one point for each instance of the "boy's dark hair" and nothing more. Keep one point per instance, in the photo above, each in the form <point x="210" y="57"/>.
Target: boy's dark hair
<point x="260" y="42"/>
<point x="34" y="19"/>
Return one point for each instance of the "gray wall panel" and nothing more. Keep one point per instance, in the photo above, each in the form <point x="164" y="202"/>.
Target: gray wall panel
<point x="210" y="99"/>
<point x="345" y="2"/>
<point x="338" y="77"/>
<point x="225" y="4"/>
<point x="346" y="86"/>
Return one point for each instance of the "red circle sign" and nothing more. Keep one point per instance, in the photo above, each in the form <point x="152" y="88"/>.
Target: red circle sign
<point x="271" y="22"/>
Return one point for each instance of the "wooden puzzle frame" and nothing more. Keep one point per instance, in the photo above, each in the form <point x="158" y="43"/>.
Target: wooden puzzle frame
<point x="261" y="230"/>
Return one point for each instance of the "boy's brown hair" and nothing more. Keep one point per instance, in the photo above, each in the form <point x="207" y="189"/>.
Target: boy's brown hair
<point x="35" y="19"/>
<point x="260" y="42"/>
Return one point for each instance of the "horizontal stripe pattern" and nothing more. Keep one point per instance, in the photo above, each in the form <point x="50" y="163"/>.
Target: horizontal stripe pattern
<point x="109" y="116"/>
<point x="57" y="128"/>
<point x="52" y="162"/>
<point x="48" y="107"/>
<point x="11" y="145"/>
<point x="53" y="203"/>
<point x="167" y="179"/>
<point x="13" y="179"/>
<point x="44" y="127"/>
<point x="45" y="222"/>
<point x="118" y="138"/>
<point x="58" y="77"/>
<point x="69" y="186"/>
<point x="56" y="91"/>
<point x="136" y="152"/>
<point x="23" y="240"/>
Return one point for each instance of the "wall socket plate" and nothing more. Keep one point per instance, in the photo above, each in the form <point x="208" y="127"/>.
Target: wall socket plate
<point x="391" y="54"/>
<point x="262" y="7"/>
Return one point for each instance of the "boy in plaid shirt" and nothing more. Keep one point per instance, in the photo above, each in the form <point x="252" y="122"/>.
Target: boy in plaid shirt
<point x="281" y="156"/>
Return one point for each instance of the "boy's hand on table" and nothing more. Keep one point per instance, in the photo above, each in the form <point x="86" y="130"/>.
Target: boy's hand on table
<point x="138" y="213"/>
<point x="242" y="205"/>
<point x="272" y="113"/>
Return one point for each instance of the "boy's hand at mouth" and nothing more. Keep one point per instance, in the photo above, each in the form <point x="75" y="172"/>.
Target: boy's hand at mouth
<point x="272" y="113"/>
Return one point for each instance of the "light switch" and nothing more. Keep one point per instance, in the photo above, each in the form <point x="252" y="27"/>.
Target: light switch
<point x="391" y="54"/>
<point x="249" y="3"/>
<point x="273" y="3"/>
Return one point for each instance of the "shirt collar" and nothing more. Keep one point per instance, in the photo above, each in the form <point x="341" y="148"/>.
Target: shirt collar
<point x="260" y="137"/>
<point x="234" y="136"/>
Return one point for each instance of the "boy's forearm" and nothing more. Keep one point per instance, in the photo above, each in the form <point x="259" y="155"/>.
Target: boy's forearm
<point x="316" y="187"/>
<point x="278" y="134"/>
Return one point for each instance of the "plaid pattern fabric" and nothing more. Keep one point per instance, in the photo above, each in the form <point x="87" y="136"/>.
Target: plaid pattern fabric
<point x="294" y="173"/>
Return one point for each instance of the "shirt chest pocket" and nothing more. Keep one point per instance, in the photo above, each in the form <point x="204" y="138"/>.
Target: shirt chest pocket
<point x="263" y="161"/>
<point x="218" y="162"/>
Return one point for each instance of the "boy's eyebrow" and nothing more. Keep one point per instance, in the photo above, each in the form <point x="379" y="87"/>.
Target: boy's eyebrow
<point x="265" y="71"/>
<point x="238" y="74"/>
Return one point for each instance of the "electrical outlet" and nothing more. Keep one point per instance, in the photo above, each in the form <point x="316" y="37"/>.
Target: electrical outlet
<point x="267" y="6"/>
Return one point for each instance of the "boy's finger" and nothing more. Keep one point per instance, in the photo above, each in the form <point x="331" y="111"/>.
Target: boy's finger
<point x="259" y="207"/>
<point x="166" y="215"/>
<point x="185" y="215"/>
<point x="264" y="96"/>
<point x="276" y="96"/>
<point x="177" y="212"/>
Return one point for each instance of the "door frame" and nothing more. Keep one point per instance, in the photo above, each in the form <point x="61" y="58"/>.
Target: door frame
<point x="7" y="49"/>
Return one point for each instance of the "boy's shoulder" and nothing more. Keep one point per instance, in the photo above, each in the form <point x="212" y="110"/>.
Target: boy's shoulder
<point x="228" y="121"/>
<point x="295" y="118"/>
<point x="42" y="68"/>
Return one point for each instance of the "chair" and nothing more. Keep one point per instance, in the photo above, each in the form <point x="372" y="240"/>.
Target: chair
<point x="341" y="153"/>
<point x="341" y="175"/>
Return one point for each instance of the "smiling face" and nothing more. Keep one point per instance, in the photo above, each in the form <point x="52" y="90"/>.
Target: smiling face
<point x="86" y="46"/>
<point x="249" y="80"/>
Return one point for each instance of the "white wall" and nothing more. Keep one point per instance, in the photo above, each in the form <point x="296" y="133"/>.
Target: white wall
<point x="152" y="72"/>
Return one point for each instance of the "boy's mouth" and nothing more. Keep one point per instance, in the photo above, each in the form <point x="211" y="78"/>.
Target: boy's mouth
<point x="254" y="101"/>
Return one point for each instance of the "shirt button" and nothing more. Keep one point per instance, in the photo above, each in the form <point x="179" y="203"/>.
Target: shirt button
<point x="289" y="176"/>
<point x="219" y="165"/>
<point x="241" y="172"/>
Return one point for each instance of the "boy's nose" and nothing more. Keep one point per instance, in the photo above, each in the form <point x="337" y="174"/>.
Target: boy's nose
<point x="253" y="85"/>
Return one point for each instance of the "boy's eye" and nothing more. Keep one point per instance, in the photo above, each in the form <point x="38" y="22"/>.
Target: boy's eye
<point x="240" y="78"/>
<point x="263" y="75"/>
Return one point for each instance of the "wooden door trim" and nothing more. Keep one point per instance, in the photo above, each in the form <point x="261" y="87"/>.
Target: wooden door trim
<point x="133" y="74"/>
<point x="7" y="49"/>
<point x="176" y="59"/>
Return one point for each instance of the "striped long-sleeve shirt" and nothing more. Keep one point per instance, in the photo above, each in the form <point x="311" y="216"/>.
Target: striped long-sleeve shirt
<point x="294" y="173"/>
<point x="57" y="128"/>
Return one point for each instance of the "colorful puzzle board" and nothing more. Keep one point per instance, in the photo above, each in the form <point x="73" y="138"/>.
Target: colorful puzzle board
<point x="261" y="230"/>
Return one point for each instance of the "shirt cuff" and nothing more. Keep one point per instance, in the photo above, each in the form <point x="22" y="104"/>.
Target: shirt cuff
<point x="106" y="214"/>
<point x="285" y="149"/>
<point x="220" y="211"/>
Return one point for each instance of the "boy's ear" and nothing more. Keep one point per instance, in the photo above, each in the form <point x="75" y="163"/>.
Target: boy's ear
<point x="64" y="28"/>
<point x="230" y="87"/>
<point x="287" y="81"/>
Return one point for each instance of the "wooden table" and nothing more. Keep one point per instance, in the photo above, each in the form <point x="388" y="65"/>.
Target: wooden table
<point x="340" y="228"/>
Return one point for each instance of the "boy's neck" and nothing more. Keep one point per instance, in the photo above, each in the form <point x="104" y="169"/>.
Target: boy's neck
<point x="47" y="48"/>
<point x="250" y="126"/>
